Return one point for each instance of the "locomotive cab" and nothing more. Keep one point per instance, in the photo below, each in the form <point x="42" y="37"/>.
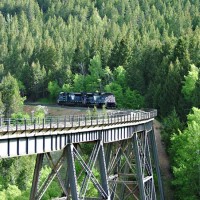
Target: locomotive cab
<point x="62" y="98"/>
<point x="109" y="100"/>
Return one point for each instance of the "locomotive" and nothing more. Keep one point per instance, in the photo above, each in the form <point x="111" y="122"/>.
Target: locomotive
<point x="87" y="99"/>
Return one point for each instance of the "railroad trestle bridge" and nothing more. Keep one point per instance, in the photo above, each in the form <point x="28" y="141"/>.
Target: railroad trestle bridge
<point x="122" y="150"/>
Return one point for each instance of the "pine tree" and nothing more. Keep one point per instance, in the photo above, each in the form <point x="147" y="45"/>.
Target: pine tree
<point x="11" y="98"/>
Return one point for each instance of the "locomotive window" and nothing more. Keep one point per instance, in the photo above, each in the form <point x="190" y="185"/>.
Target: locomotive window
<point x="72" y="96"/>
<point x="96" y="97"/>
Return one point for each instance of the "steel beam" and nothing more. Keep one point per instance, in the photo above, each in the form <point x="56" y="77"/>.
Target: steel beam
<point x="103" y="170"/>
<point x="36" y="176"/>
<point x="156" y="162"/>
<point x="90" y="164"/>
<point x="72" y="172"/>
<point x="144" y="168"/>
<point x="53" y="166"/>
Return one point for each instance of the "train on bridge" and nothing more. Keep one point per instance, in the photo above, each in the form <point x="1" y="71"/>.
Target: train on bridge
<point x="87" y="99"/>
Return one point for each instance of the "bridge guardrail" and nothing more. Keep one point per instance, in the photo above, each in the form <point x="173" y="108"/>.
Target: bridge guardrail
<point x="70" y="121"/>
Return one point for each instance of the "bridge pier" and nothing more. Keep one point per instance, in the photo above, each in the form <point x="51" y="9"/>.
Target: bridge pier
<point x="144" y="167"/>
<point x="36" y="176"/>
<point x="72" y="172"/>
<point x="125" y="170"/>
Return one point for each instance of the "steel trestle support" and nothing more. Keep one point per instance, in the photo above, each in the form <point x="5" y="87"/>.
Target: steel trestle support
<point x="120" y="170"/>
<point x="36" y="176"/>
<point x="144" y="167"/>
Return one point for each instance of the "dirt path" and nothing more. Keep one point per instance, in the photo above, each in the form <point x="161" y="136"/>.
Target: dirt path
<point x="164" y="162"/>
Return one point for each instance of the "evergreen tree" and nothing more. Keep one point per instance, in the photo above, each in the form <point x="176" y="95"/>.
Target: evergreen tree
<point x="11" y="95"/>
<point x="190" y="82"/>
<point x="38" y="75"/>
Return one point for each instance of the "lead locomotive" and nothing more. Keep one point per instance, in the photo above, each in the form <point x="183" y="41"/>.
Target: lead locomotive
<point x="87" y="99"/>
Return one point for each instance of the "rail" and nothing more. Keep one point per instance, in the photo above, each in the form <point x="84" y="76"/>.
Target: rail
<point x="71" y="121"/>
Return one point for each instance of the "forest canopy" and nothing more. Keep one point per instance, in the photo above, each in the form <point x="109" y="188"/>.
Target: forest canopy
<point x="78" y="43"/>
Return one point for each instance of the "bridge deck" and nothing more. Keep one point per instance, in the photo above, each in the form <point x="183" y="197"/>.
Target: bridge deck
<point x="32" y="136"/>
<point x="8" y="125"/>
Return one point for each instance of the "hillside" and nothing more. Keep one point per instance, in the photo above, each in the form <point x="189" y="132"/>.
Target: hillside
<point x="147" y="53"/>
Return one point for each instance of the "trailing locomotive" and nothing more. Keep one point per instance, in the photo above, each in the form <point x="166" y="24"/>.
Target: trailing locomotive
<point x="87" y="99"/>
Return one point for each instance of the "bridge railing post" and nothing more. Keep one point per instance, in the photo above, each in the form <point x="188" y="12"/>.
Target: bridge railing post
<point x="70" y="120"/>
<point x="50" y="123"/>
<point x="25" y="125"/>
<point x="65" y="121"/>
<point x="8" y="124"/>
<point x="34" y="122"/>
<point x="43" y="122"/>
<point x="57" y="122"/>
<point x="79" y="121"/>
<point x="16" y="124"/>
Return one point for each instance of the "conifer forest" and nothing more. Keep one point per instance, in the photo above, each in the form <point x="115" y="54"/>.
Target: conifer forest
<point x="146" y="52"/>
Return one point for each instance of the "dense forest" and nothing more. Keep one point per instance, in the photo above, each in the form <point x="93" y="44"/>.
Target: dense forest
<point x="146" y="52"/>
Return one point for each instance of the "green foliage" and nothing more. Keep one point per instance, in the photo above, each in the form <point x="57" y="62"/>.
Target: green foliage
<point x="2" y="107"/>
<point x="54" y="188"/>
<point x="120" y="76"/>
<point x="14" y="182"/>
<point x="196" y="93"/>
<point x="37" y="82"/>
<point x="40" y="112"/>
<point x="79" y="83"/>
<point x="132" y="99"/>
<point x="42" y="43"/>
<point x="19" y="118"/>
<point x="86" y="149"/>
<point x="125" y="97"/>
<point x="12" y="192"/>
<point x="80" y="44"/>
<point x="67" y="88"/>
<point x="104" y="111"/>
<point x="88" y="112"/>
<point x="20" y="115"/>
<point x="171" y="125"/>
<point x="95" y="67"/>
<point x="186" y="158"/>
<point x="190" y="81"/>
<point x="116" y="89"/>
<point x="94" y="111"/>
<point x="108" y="75"/>
<point x="11" y="98"/>
<point x="54" y="89"/>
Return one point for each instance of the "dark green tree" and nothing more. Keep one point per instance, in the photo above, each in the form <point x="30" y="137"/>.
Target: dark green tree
<point x="11" y="98"/>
